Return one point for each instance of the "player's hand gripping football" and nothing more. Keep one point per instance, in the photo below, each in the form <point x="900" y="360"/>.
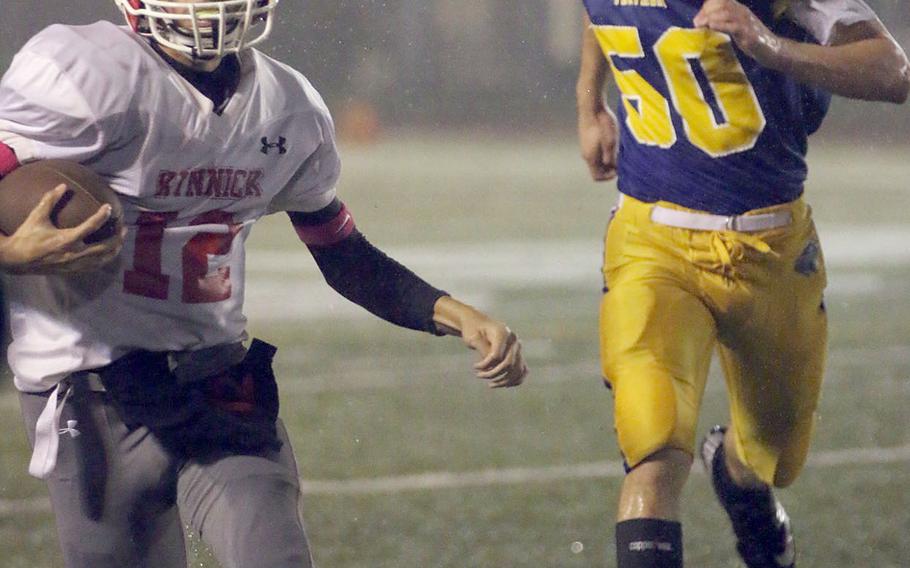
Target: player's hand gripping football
<point x="597" y="136"/>
<point x="738" y="21"/>
<point x="501" y="361"/>
<point x="38" y="246"/>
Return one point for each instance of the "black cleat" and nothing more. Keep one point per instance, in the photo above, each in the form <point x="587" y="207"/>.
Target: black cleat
<point x="762" y="527"/>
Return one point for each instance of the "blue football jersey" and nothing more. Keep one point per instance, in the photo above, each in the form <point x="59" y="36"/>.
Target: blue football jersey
<point x="702" y="124"/>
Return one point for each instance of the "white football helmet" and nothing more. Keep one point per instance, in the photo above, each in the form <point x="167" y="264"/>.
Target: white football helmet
<point x="201" y="29"/>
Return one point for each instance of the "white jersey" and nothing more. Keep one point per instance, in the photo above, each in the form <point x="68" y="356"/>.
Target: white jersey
<point x="192" y="182"/>
<point x="820" y="17"/>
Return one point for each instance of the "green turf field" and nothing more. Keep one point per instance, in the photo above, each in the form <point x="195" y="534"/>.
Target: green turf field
<point x="408" y="461"/>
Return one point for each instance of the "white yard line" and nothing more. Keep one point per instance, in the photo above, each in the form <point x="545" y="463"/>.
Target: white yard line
<point x="419" y="370"/>
<point x="286" y="286"/>
<point x="556" y="261"/>
<point x="505" y="476"/>
<point x="595" y="470"/>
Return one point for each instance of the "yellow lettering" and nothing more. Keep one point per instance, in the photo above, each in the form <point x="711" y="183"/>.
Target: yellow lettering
<point x="740" y="120"/>
<point x="641" y="3"/>
<point x="647" y="111"/>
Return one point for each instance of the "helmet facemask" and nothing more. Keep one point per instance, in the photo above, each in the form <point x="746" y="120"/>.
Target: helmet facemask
<point x="203" y="30"/>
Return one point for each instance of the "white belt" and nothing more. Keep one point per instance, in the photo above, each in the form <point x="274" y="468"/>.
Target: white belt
<point x="708" y="222"/>
<point x="47" y="434"/>
<point x="48" y="430"/>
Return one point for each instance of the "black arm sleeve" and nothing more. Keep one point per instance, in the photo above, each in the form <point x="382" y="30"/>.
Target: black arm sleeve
<point x="363" y="274"/>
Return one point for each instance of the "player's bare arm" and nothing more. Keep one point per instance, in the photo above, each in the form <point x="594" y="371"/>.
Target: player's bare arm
<point x="597" y="132"/>
<point x="862" y="61"/>
<point x="40" y="247"/>
<point x="501" y="359"/>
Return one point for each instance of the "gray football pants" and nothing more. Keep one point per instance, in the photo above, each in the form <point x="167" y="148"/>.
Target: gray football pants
<point x="116" y="494"/>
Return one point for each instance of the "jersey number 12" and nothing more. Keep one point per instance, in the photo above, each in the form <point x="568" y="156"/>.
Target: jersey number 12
<point x="200" y="286"/>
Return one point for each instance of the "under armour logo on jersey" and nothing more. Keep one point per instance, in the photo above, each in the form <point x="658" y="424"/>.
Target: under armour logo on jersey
<point x="268" y="146"/>
<point x="70" y="428"/>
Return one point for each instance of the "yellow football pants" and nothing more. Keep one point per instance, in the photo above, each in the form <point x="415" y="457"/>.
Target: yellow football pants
<point x="674" y="294"/>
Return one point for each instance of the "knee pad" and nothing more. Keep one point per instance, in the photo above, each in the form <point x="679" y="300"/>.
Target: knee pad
<point x="646" y="415"/>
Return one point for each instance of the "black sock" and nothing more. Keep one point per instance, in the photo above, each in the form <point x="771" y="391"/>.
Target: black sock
<point x="731" y="494"/>
<point x="649" y="543"/>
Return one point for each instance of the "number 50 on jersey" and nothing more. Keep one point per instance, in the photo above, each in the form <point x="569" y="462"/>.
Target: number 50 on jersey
<point x="705" y="81"/>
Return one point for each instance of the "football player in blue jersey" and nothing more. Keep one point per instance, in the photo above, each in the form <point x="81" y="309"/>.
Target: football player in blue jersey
<point x="712" y="244"/>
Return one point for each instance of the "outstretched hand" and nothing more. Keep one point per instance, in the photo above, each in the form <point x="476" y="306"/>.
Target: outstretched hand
<point x="501" y="361"/>
<point x="38" y="246"/>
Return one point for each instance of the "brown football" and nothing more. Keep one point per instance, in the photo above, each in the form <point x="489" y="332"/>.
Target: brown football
<point x="22" y="188"/>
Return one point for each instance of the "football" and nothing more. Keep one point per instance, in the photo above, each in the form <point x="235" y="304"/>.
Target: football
<point x="22" y="188"/>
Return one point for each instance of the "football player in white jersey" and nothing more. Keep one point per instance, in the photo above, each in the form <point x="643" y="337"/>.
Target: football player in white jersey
<point x="138" y="344"/>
